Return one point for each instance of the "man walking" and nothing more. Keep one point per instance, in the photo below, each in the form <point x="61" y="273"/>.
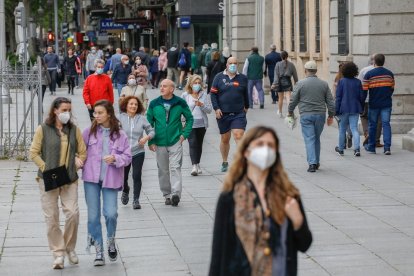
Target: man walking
<point x="164" y="114"/>
<point x="380" y="84"/>
<point x="121" y="73"/>
<point x="90" y="61"/>
<point x="270" y="61"/>
<point x="115" y="60"/>
<point x="312" y="95"/>
<point x="172" y="61"/>
<point x="253" y="69"/>
<point x="202" y="62"/>
<point x="53" y="67"/>
<point x="230" y="100"/>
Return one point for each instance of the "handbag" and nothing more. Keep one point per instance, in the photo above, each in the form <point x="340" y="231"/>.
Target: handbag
<point x="56" y="177"/>
<point x="285" y="83"/>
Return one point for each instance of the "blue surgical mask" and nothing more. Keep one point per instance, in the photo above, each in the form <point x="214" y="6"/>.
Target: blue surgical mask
<point x="233" y="68"/>
<point x="99" y="71"/>
<point x="196" y="87"/>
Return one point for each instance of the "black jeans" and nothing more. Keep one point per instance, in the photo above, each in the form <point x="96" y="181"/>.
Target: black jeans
<point x="195" y="141"/>
<point x="53" y="80"/>
<point x="71" y="83"/>
<point x="137" y="163"/>
<point x="273" y="92"/>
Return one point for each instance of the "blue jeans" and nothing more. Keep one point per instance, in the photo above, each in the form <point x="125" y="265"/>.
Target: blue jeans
<point x="352" y="120"/>
<point x="373" y="115"/>
<point x="259" y="86"/>
<point x="110" y="211"/>
<point x="312" y="127"/>
<point x="119" y="87"/>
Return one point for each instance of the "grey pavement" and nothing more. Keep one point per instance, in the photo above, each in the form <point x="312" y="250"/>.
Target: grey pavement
<point x="360" y="211"/>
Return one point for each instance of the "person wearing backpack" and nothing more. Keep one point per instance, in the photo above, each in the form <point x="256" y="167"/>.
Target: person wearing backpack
<point x="184" y="63"/>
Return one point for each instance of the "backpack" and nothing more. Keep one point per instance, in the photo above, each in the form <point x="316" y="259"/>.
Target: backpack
<point x="182" y="62"/>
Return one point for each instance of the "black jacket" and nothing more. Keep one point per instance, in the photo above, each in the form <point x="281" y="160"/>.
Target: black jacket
<point x="228" y="260"/>
<point x="172" y="57"/>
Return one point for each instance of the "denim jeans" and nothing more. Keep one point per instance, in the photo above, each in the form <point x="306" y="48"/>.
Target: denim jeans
<point x="373" y="115"/>
<point x="352" y="120"/>
<point x="312" y="127"/>
<point x="259" y="86"/>
<point x="110" y="211"/>
<point x="53" y="80"/>
<point x="119" y="87"/>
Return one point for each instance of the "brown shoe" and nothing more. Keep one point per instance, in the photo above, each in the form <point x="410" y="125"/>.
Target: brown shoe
<point x="365" y="140"/>
<point x="379" y="145"/>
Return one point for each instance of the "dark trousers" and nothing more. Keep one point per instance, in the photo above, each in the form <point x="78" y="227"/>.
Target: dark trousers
<point x="154" y="79"/>
<point x="43" y="92"/>
<point x="53" y="79"/>
<point x="195" y="141"/>
<point x="71" y="83"/>
<point x="273" y="92"/>
<point x="137" y="163"/>
<point x="161" y="75"/>
<point x="364" y="122"/>
<point x="90" y="111"/>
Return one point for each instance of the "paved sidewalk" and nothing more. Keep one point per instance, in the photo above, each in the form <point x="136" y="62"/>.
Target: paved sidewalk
<point x="360" y="211"/>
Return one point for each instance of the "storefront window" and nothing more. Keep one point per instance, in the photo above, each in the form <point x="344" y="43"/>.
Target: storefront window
<point x="206" y="33"/>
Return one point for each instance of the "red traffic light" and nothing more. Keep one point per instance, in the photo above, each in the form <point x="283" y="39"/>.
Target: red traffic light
<point x="50" y="36"/>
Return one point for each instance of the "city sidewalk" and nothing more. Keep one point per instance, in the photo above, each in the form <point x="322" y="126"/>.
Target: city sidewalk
<point x="360" y="211"/>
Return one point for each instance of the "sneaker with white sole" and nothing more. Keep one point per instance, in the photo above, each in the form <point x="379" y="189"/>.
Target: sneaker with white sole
<point x="279" y="114"/>
<point x="59" y="262"/>
<point x="112" y="252"/>
<point x="199" y="171"/>
<point x="73" y="258"/>
<point x="194" y="171"/>
<point x="100" y="256"/>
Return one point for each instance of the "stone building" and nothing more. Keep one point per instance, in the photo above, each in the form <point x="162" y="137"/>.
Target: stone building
<point x="330" y="32"/>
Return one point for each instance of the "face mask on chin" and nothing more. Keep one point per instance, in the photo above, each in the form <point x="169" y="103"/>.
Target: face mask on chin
<point x="262" y="157"/>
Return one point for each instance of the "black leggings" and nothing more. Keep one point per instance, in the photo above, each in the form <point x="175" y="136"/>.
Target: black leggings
<point x="71" y="83"/>
<point x="195" y="141"/>
<point x="137" y="163"/>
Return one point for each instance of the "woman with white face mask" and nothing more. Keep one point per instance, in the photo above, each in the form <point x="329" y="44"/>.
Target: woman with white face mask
<point x="200" y="105"/>
<point x="59" y="142"/>
<point x="260" y="223"/>
<point x="133" y="89"/>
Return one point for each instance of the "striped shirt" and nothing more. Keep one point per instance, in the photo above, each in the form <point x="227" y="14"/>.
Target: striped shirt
<point x="380" y="84"/>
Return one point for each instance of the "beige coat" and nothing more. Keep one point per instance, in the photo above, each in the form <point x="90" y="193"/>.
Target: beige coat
<point x="138" y="91"/>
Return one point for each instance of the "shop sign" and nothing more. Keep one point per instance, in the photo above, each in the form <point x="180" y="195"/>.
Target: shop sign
<point x="109" y="24"/>
<point x="185" y="22"/>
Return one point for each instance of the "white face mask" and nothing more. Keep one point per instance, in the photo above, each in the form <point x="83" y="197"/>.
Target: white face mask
<point x="126" y="62"/>
<point x="262" y="157"/>
<point x="132" y="82"/>
<point x="64" y="117"/>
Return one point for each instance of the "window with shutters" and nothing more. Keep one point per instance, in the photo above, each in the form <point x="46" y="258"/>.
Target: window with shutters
<point x="292" y="24"/>
<point x="303" y="47"/>
<point x="282" y="31"/>
<point x="343" y="42"/>
<point x="317" y="27"/>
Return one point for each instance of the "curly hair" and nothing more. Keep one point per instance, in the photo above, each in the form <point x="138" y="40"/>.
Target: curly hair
<point x="278" y="184"/>
<point x="349" y="70"/>
<point x="124" y="103"/>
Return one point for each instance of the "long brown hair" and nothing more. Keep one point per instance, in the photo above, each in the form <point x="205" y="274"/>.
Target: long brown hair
<point x="113" y="121"/>
<point x="51" y="117"/>
<point x="124" y="103"/>
<point x="278" y="184"/>
<point x="284" y="55"/>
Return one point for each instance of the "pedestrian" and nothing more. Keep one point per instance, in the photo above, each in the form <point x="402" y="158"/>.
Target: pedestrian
<point x="194" y="62"/>
<point x="253" y="69"/>
<point x="225" y="54"/>
<point x="154" y="68"/>
<point x="184" y="64"/>
<point x="260" y="222"/>
<point x="202" y="62"/>
<point x="103" y="176"/>
<point x="83" y="58"/>
<point x="145" y="59"/>
<point x="284" y="71"/>
<point x="172" y="60"/>
<point x="45" y="80"/>
<point x="71" y="63"/>
<point x="164" y="114"/>
<point x="162" y="65"/>
<point x="271" y="59"/>
<point x="200" y="105"/>
<point x="135" y="125"/>
<point x="60" y="71"/>
<point x="349" y="104"/>
<point x="53" y="66"/>
<point x="121" y="73"/>
<point x="78" y="67"/>
<point x="379" y="82"/>
<point x="116" y="60"/>
<point x="313" y="96"/>
<point x="213" y="68"/>
<point x="90" y="61"/>
<point x="58" y="142"/>
<point x="140" y="71"/>
<point x="364" y="115"/>
<point x="133" y="89"/>
<point x="98" y="86"/>
<point x="230" y="101"/>
<point x="209" y="55"/>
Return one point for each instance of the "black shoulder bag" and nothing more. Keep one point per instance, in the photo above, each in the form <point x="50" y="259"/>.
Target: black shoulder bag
<point x="57" y="177"/>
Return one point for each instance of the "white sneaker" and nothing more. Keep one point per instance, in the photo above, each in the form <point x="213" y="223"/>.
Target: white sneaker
<point x="59" y="262"/>
<point x="199" y="171"/>
<point x="194" y="171"/>
<point x="73" y="258"/>
<point x="279" y="114"/>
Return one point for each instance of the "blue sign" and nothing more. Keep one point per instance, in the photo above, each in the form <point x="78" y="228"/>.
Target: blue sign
<point x="185" y="22"/>
<point x="109" y="24"/>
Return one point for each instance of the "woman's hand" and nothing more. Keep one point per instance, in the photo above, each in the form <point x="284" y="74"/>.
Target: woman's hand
<point x="78" y="163"/>
<point x="198" y="103"/>
<point x="292" y="210"/>
<point x="143" y="140"/>
<point x="109" y="159"/>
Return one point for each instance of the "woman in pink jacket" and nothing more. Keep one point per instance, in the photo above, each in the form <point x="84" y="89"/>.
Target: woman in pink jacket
<point x="108" y="152"/>
<point x="162" y="64"/>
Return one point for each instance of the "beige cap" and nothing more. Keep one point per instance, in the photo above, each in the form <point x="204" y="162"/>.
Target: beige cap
<point x="311" y="65"/>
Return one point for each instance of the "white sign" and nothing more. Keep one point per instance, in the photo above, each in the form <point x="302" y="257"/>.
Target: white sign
<point x="221" y="6"/>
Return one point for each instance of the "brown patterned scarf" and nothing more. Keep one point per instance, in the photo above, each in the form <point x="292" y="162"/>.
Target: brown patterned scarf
<point x="249" y="222"/>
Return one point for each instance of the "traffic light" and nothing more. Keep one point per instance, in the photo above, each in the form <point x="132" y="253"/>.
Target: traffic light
<point x="50" y="37"/>
<point x="20" y="16"/>
<point x="65" y="30"/>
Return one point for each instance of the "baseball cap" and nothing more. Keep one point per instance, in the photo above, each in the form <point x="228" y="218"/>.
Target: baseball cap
<point x="311" y="65"/>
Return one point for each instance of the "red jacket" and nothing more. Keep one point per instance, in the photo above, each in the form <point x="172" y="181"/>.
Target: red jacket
<point x="98" y="87"/>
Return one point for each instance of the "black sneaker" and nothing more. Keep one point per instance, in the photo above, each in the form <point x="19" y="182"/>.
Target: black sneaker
<point x="368" y="150"/>
<point x="349" y="141"/>
<point x="317" y="166"/>
<point x="340" y="152"/>
<point x="124" y="198"/>
<point x="135" y="204"/>
<point x="224" y="166"/>
<point x="357" y="153"/>
<point x="112" y="252"/>
<point x="168" y="201"/>
<point x="312" y="168"/>
<point x="261" y="106"/>
<point x="175" y="199"/>
<point x="387" y="152"/>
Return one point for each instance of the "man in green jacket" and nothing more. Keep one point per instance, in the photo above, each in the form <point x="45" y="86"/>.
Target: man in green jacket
<point x="253" y="69"/>
<point x="164" y="114"/>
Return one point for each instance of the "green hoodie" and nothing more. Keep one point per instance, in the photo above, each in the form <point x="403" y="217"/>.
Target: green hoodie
<point x="167" y="133"/>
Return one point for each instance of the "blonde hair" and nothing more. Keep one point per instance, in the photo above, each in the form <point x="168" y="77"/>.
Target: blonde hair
<point x="190" y="81"/>
<point x="278" y="184"/>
